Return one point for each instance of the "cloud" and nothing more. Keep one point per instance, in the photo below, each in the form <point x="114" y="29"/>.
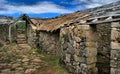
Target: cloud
<point x="2" y="1"/>
<point x="50" y="7"/>
<point x="41" y="7"/>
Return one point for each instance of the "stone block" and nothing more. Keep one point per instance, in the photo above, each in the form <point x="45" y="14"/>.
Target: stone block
<point x="115" y="54"/>
<point x="115" y="45"/>
<point x="70" y="49"/>
<point x="76" y="58"/>
<point x="82" y="52"/>
<point x="90" y="52"/>
<point x="67" y="58"/>
<point x="113" y="63"/>
<point x="91" y="65"/>
<point x="82" y="59"/>
<point x="64" y="46"/>
<point x="79" y="59"/>
<point x="90" y="36"/>
<point x="84" y="27"/>
<point x="92" y="68"/>
<point x="114" y="28"/>
<point x="77" y="52"/>
<point x="77" y="69"/>
<point x="115" y="70"/>
<point x="115" y="24"/>
<point x="91" y="44"/>
<point x="91" y="60"/>
<point x="115" y="35"/>
<point x="77" y="39"/>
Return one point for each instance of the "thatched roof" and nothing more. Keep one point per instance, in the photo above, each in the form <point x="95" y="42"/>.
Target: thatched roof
<point x="56" y="23"/>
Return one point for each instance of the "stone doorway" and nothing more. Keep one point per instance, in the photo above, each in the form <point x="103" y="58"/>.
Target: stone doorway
<point x="103" y="48"/>
<point x="21" y="32"/>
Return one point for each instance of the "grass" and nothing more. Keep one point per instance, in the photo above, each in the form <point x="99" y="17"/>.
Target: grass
<point x="53" y="62"/>
<point x="21" y="25"/>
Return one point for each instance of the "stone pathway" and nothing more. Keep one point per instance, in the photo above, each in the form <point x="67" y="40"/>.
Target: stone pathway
<point x="19" y="59"/>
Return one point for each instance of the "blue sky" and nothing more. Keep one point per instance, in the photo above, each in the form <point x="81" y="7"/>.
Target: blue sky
<point x="47" y="8"/>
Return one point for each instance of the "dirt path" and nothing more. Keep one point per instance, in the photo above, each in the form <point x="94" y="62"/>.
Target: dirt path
<point x="21" y="59"/>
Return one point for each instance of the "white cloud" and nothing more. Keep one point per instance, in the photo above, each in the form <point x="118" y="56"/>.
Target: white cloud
<point x="42" y="7"/>
<point x="49" y="7"/>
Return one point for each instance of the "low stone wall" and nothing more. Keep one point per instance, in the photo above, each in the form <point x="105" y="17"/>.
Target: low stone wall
<point x="78" y="49"/>
<point x="48" y="42"/>
<point x="3" y="33"/>
<point x="115" y="46"/>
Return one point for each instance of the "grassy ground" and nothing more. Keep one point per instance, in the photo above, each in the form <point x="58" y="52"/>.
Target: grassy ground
<point x="53" y="63"/>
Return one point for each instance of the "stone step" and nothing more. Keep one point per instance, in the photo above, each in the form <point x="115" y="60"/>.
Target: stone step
<point x="20" y="31"/>
<point x="24" y="46"/>
<point x="21" y="42"/>
<point x="21" y="36"/>
<point x="21" y="39"/>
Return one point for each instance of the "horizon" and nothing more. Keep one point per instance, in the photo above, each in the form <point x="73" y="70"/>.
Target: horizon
<point x="47" y="8"/>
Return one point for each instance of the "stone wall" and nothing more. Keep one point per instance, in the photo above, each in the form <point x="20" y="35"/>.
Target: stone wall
<point x="48" y="42"/>
<point x="115" y="46"/>
<point x="31" y="36"/>
<point x="103" y="47"/>
<point x="78" y="49"/>
<point x="3" y="33"/>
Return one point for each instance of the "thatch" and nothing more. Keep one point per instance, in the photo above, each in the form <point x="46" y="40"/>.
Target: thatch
<point x="55" y="23"/>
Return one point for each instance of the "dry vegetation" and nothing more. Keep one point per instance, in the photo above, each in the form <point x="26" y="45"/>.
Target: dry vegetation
<point x="55" y="23"/>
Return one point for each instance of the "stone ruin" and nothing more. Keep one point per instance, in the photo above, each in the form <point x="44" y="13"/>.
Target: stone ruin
<point x="93" y="47"/>
<point x="88" y="47"/>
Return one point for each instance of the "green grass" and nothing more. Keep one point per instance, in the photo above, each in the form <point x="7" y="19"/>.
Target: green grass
<point x="53" y="62"/>
<point x="21" y="25"/>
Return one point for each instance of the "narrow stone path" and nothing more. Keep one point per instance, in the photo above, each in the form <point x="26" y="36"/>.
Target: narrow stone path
<point x="21" y="36"/>
<point x="22" y="59"/>
<point x="19" y="59"/>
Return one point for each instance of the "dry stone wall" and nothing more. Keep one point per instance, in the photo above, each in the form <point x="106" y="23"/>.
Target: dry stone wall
<point x="78" y="49"/>
<point x="48" y="42"/>
<point x="3" y="33"/>
<point x="31" y="36"/>
<point x="115" y="48"/>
